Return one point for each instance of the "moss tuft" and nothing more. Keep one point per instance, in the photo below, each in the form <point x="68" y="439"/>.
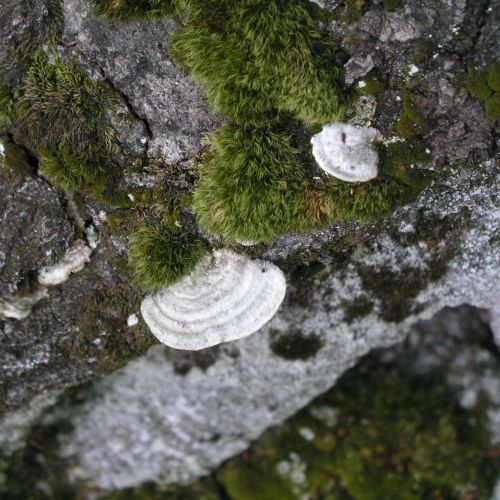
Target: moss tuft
<point x="8" y="99"/>
<point x="249" y="186"/>
<point x="411" y="122"/>
<point x="293" y="345"/>
<point x="128" y="10"/>
<point x="392" y="4"/>
<point x="62" y="108"/>
<point x="161" y="255"/>
<point x="486" y="86"/>
<point x="353" y="10"/>
<point x="258" y="59"/>
<point x="69" y="172"/>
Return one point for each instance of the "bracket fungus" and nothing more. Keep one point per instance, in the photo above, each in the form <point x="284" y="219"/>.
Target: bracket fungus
<point x="227" y="297"/>
<point x="347" y="152"/>
<point x="72" y="261"/>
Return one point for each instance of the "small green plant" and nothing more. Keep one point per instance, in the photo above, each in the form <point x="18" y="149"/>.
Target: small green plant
<point x="60" y="107"/>
<point x="127" y="10"/>
<point x="160" y="255"/>
<point x="258" y="59"/>
<point x="411" y="122"/>
<point x="69" y="172"/>
<point x="8" y="99"/>
<point x="486" y="86"/>
<point x="249" y="185"/>
<point x="392" y="4"/>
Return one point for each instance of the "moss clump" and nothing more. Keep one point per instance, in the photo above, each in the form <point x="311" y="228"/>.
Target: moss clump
<point x="411" y="122"/>
<point x="60" y="107"/>
<point x="371" y="86"/>
<point x="254" y="187"/>
<point x="395" y="438"/>
<point x="398" y="183"/>
<point x="293" y="345"/>
<point x="353" y="10"/>
<point x="249" y="185"/>
<point x="127" y="10"/>
<point x="161" y="255"/>
<point x="257" y="59"/>
<point x="392" y="4"/>
<point x="8" y="98"/>
<point x="69" y="172"/>
<point x="486" y="86"/>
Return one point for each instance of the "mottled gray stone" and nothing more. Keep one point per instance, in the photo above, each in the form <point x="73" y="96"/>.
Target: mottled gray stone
<point x="34" y="229"/>
<point x="135" y="60"/>
<point x="149" y="423"/>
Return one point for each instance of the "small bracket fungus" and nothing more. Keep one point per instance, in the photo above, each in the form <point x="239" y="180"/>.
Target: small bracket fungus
<point x="227" y="297"/>
<point x="72" y="261"/>
<point x="347" y="152"/>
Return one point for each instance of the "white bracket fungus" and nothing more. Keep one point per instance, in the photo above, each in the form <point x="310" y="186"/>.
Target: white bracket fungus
<point x="347" y="152"/>
<point x="227" y="297"/>
<point x="72" y="261"/>
<point x="20" y="307"/>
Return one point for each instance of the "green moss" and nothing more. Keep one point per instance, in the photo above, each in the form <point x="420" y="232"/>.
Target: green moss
<point x="358" y="308"/>
<point x="161" y="255"/>
<point x="249" y="186"/>
<point x="8" y="99"/>
<point x="205" y="489"/>
<point x="45" y="32"/>
<point x="411" y="122"/>
<point x="477" y="84"/>
<point x="395" y="438"/>
<point x="127" y="10"/>
<point x="492" y="107"/>
<point x="392" y="4"/>
<point x="486" y="86"/>
<point x="423" y="51"/>
<point x="353" y="10"/>
<point x="257" y="59"/>
<point x="372" y="86"/>
<point x="493" y="76"/>
<point x="69" y="172"/>
<point x="62" y="108"/>
<point x="293" y="345"/>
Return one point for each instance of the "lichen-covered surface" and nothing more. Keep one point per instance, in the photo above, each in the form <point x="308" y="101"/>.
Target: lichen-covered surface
<point x="172" y="416"/>
<point x="411" y="409"/>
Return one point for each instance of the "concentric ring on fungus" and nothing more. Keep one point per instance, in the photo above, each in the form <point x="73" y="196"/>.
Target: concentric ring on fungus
<point x="227" y="297"/>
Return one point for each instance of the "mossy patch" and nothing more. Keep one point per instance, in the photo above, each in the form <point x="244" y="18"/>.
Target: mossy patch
<point x="391" y="5"/>
<point x="353" y="10"/>
<point x="411" y="121"/>
<point x="259" y="59"/>
<point x="395" y="438"/>
<point x="486" y="86"/>
<point x="128" y="10"/>
<point x="357" y="308"/>
<point x="249" y="187"/>
<point x="294" y="345"/>
<point x="161" y="255"/>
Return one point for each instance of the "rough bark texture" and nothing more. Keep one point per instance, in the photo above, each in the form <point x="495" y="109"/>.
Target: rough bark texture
<point x="172" y="416"/>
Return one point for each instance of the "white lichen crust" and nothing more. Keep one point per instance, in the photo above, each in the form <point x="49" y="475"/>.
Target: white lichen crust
<point x="227" y="297"/>
<point x="72" y="261"/>
<point x="347" y="152"/>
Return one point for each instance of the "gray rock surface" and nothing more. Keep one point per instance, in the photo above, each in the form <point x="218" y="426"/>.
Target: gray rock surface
<point x="135" y="60"/>
<point x="149" y="423"/>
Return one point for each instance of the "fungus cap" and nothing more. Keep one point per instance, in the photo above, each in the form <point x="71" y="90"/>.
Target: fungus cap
<point x="347" y="152"/>
<point x="227" y="297"/>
